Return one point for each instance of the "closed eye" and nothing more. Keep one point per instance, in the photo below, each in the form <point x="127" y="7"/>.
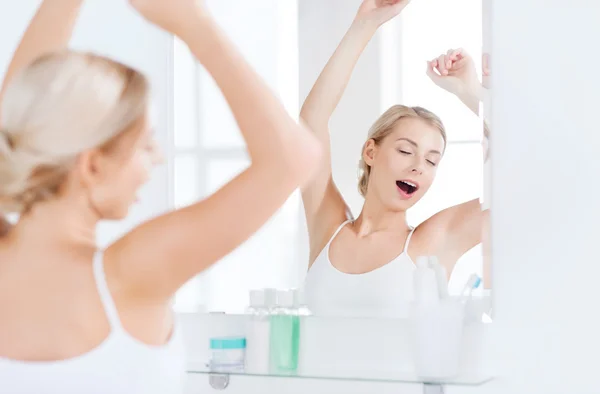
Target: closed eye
<point x="404" y="152"/>
<point x="432" y="163"/>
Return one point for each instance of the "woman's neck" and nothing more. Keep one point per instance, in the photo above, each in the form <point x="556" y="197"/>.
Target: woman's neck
<point x="375" y="217"/>
<point x="56" y="224"/>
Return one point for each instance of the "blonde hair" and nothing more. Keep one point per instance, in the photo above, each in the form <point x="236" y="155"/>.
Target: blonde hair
<point x="385" y="125"/>
<point x="56" y="108"/>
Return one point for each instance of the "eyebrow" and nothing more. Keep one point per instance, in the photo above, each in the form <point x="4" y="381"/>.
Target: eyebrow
<point x="417" y="145"/>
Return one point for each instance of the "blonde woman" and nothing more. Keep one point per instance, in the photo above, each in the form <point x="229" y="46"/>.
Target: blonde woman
<point x="364" y="266"/>
<point x="75" y="147"/>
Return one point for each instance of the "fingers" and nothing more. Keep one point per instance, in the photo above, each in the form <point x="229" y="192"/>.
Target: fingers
<point x="442" y="65"/>
<point x="431" y="71"/>
<point x="456" y="54"/>
<point x="485" y="64"/>
<point x="445" y="63"/>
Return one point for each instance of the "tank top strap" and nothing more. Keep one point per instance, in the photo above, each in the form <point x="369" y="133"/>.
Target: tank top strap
<point x="107" y="301"/>
<point x="405" y="250"/>
<point x="336" y="232"/>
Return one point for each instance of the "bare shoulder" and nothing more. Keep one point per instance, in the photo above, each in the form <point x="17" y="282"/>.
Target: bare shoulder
<point x="427" y="239"/>
<point x="451" y="232"/>
<point x="136" y="312"/>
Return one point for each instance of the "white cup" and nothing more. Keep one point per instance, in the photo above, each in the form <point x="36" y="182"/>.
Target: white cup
<point x="437" y="331"/>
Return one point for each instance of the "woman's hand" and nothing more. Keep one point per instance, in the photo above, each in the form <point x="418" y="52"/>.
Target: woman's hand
<point x="175" y="16"/>
<point x="378" y="12"/>
<point x="454" y="72"/>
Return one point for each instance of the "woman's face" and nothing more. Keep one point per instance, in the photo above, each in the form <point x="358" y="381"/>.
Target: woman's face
<point x="404" y="164"/>
<point x="125" y="171"/>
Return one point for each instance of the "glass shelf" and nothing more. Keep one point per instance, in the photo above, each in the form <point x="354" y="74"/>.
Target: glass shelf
<point x="359" y="376"/>
<point x="380" y="352"/>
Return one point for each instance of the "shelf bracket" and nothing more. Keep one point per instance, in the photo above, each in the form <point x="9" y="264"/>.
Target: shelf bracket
<point x="218" y="381"/>
<point x="433" y="388"/>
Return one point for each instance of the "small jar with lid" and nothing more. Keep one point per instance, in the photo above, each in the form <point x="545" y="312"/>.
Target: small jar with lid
<point x="227" y="354"/>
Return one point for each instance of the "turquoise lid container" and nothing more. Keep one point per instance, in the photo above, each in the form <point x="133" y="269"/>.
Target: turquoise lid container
<point x="228" y="343"/>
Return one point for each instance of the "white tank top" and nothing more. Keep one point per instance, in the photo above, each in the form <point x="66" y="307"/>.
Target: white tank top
<point x="121" y="364"/>
<point x="384" y="292"/>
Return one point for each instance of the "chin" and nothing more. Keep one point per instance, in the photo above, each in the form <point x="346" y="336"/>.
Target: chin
<point x="400" y="206"/>
<point x="119" y="213"/>
<point x="115" y="217"/>
<point x="396" y="205"/>
<point x="403" y="205"/>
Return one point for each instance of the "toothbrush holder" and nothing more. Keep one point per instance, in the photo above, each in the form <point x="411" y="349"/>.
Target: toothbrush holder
<point x="436" y="333"/>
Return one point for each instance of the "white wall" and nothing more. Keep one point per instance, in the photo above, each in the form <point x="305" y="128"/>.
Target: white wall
<point x="544" y="235"/>
<point x="128" y="39"/>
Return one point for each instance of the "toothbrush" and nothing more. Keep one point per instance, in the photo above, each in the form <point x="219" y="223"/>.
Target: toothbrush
<point x="473" y="312"/>
<point x="473" y="283"/>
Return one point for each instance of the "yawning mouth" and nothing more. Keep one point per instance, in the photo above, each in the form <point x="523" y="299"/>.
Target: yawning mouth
<point x="407" y="187"/>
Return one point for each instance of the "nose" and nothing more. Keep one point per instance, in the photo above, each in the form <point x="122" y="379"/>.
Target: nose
<point x="417" y="167"/>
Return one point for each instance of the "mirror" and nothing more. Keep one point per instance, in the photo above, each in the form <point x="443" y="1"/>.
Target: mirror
<point x="364" y="270"/>
<point x="485" y="114"/>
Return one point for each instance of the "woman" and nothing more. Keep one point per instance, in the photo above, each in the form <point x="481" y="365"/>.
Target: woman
<point x="364" y="266"/>
<point x="75" y="147"/>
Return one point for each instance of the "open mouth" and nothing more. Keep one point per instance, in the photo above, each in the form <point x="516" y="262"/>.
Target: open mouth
<point x="407" y="187"/>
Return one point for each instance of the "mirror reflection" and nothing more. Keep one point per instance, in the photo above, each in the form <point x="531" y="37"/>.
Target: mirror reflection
<point x="393" y="91"/>
<point x="365" y="264"/>
<point x="394" y="95"/>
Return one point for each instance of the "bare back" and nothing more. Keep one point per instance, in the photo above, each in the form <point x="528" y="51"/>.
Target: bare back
<point x="58" y="295"/>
